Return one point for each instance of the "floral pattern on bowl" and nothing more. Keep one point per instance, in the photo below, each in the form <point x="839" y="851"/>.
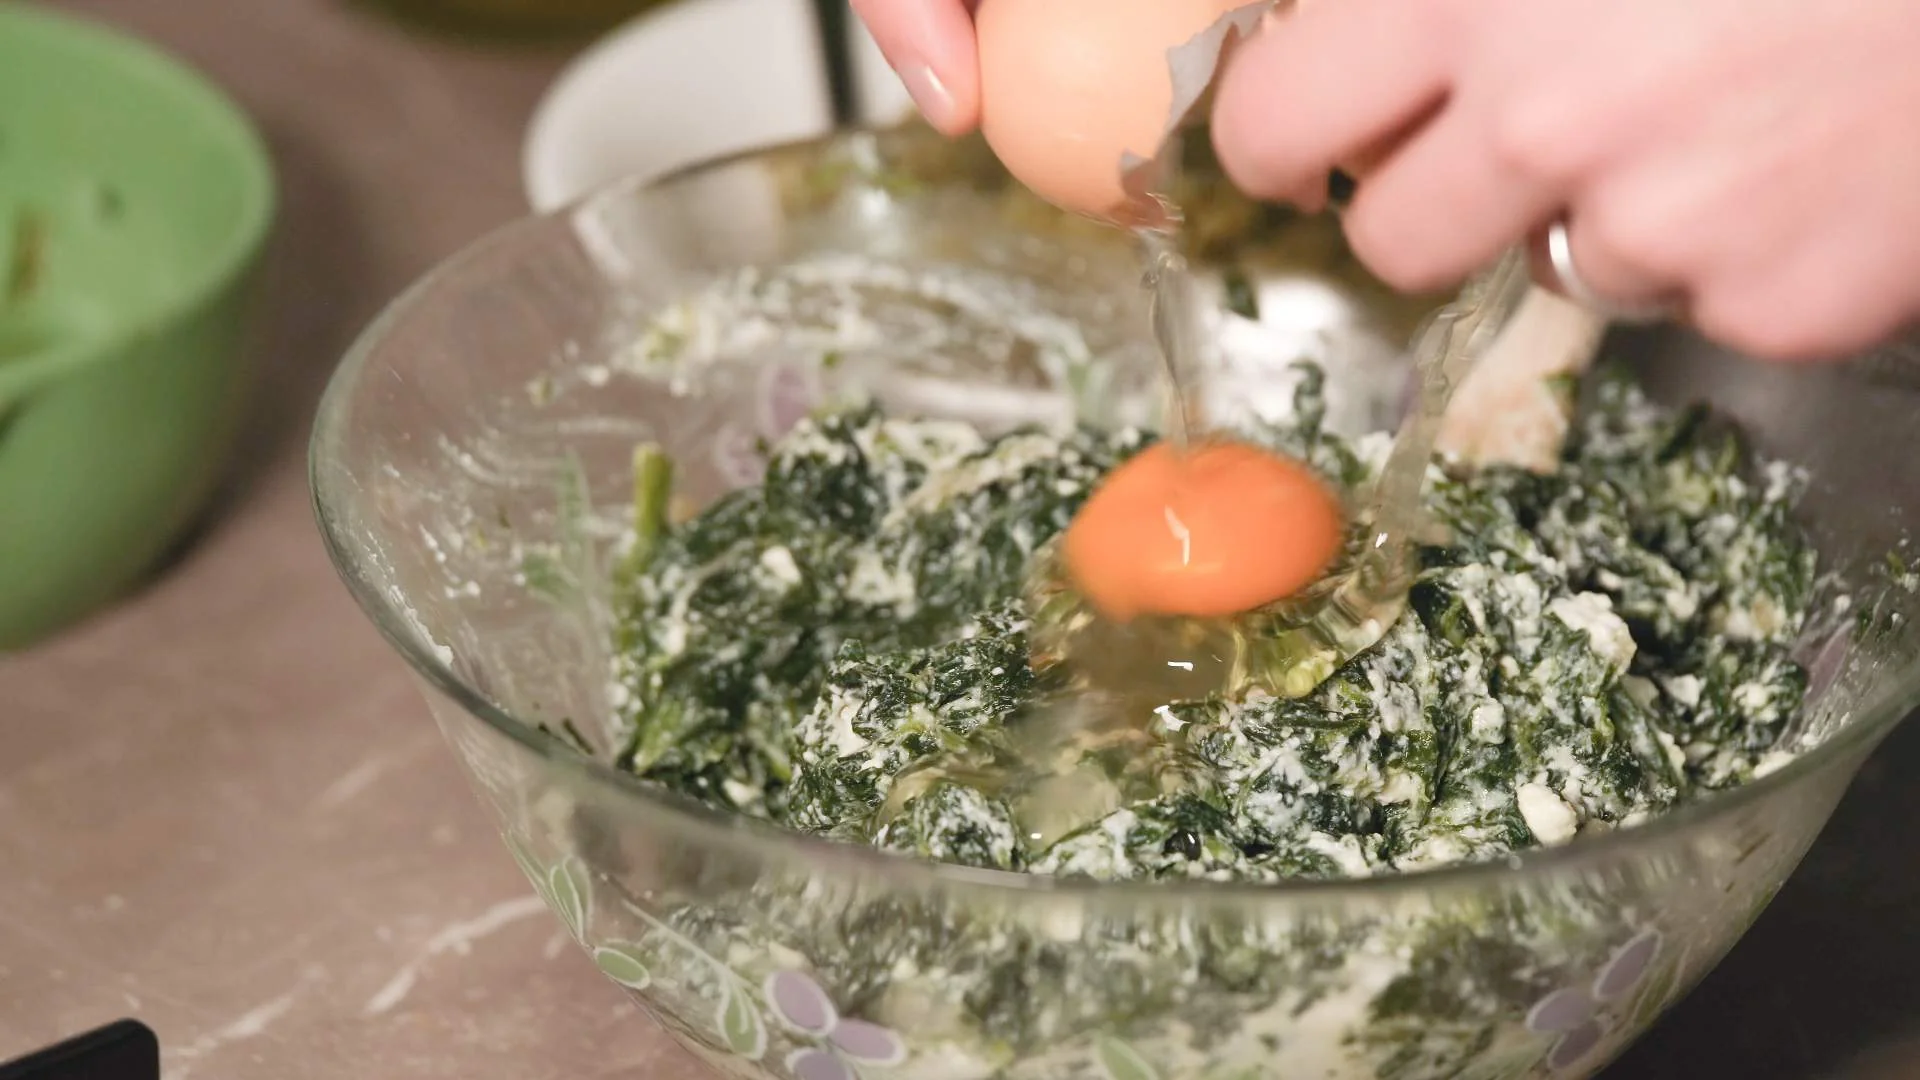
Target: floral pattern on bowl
<point x="825" y="1043"/>
<point x="842" y="1043"/>
<point x="773" y="1017"/>
<point x="785" y="395"/>
<point x="1575" y="1016"/>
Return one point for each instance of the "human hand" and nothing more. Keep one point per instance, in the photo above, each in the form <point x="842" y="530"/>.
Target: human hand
<point x="930" y="44"/>
<point x="1755" y="164"/>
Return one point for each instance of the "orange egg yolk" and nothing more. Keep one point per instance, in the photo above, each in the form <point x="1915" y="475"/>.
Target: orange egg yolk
<point x="1213" y="530"/>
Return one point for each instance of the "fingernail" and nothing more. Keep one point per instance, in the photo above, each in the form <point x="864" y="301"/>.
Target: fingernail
<point x="929" y="94"/>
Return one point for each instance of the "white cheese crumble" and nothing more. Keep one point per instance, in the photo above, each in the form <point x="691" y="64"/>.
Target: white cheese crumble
<point x="779" y="566"/>
<point x="1552" y="821"/>
<point x="1592" y="614"/>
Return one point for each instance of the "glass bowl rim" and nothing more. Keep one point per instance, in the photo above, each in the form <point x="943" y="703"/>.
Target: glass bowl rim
<point x="774" y="842"/>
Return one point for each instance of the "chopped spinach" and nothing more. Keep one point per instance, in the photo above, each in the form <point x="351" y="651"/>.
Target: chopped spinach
<point x="1586" y="648"/>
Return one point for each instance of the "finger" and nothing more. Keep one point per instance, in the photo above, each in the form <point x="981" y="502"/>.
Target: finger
<point x="1635" y="240"/>
<point x="1441" y="206"/>
<point x="930" y="45"/>
<point x="1793" y="317"/>
<point x="1326" y="85"/>
<point x="1830" y="296"/>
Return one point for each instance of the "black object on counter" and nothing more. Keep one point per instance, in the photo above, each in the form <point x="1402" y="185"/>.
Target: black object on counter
<point x="123" y="1050"/>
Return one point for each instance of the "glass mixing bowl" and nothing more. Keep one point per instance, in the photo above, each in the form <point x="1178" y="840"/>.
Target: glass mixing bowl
<point x="472" y="468"/>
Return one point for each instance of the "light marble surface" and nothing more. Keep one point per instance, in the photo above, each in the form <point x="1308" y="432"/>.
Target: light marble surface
<point x="223" y="809"/>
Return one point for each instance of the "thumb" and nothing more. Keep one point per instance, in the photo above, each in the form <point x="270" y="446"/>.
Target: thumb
<point x="930" y="45"/>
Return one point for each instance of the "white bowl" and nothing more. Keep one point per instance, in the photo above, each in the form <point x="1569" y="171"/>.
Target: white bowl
<point x="694" y="80"/>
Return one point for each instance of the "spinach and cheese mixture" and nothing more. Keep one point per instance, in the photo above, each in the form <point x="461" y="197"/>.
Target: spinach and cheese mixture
<point x="1584" y="648"/>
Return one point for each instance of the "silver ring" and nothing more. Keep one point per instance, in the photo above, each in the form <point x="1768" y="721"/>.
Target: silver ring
<point x="1560" y="258"/>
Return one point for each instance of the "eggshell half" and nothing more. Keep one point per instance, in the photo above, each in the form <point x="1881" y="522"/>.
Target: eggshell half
<point x="1078" y="97"/>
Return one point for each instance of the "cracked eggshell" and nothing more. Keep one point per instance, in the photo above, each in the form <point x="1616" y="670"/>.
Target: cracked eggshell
<point x="1078" y="97"/>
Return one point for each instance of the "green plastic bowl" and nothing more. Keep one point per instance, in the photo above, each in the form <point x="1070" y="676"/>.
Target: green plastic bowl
<point x="135" y="202"/>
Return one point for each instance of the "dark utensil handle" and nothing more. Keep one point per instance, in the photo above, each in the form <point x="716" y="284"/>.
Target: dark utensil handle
<point x="836" y="46"/>
<point x="123" y="1050"/>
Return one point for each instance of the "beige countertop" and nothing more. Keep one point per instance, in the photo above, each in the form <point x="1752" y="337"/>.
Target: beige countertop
<point x="223" y="810"/>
